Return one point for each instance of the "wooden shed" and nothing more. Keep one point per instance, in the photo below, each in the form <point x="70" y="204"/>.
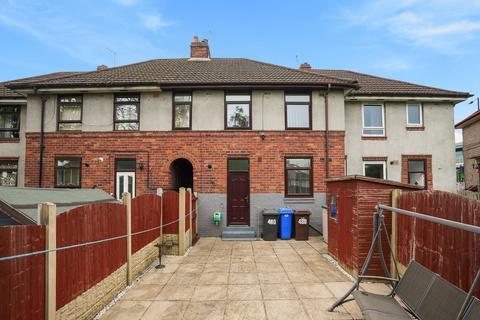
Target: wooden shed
<point x="351" y="204"/>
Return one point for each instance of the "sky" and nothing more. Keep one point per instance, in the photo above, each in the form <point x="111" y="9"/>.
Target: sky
<point x="435" y="43"/>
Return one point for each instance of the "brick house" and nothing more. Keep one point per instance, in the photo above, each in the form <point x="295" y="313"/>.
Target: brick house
<point x="471" y="150"/>
<point x="244" y="134"/>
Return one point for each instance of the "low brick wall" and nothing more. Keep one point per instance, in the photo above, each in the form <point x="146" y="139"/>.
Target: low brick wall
<point x="87" y="305"/>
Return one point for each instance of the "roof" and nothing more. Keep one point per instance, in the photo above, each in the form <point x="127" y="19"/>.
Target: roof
<point x="374" y="180"/>
<point x="371" y="85"/>
<point x="471" y="119"/>
<point x="8" y="93"/>
<point x="21" y="204"/>
<point x="193" y="73"/>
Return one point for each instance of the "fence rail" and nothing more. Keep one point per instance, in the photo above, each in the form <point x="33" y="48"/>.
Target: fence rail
<point x="470" y="194"/>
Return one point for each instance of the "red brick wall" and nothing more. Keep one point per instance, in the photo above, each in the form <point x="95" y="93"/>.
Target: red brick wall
<point x="428" y="165"/>
<point x="157" y="150"/>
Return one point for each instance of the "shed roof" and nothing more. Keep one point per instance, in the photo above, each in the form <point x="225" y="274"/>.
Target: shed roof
<point x="374" y="180"/>
<point x="21" y="204"/>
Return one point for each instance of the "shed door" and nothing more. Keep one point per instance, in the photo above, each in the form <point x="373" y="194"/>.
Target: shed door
<point x="345" y="240"/>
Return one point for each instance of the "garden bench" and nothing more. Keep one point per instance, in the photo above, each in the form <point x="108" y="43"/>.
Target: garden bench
<point x="421" y="293"/>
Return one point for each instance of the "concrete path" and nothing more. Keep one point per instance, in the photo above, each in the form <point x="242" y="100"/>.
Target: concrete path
<point x="241" y="280"/>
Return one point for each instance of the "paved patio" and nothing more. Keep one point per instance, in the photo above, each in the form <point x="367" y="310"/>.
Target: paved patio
<point x="241" y="280"/>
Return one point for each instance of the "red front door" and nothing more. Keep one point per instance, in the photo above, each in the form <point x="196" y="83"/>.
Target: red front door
<point x="238" y="192"/>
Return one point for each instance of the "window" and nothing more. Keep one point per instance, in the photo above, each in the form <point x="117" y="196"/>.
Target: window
<point x="375" y="169"/>
<point x="68" y="172"/>
<point x="182" y="111"/>
<point x="127" y="111"/>
<point x="414" y="115"/>
<point x="9" y="122"/>
<point x="333" y="206"/>
<point x="298" y="177"/>
<point x="416" y="172"/>
<point x="373" y="120"/>
<point x="298" y="111"/>
<point x="69" y="113"/>
<point x="238" y="109"/>
<point x="8" y="173"/>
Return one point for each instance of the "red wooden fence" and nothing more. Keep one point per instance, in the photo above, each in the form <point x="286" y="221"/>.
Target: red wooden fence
<point x="81" y="268"/>
<point x="22" y="281"/>
<point x="170" y="212"/>
<point x="146" y="210"/>
<point x="450" y="252"/>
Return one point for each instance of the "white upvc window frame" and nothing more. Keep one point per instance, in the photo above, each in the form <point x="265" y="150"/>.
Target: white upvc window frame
<point x="421" y="114"/>
<point x="373" y="128"/>
<point x="382" y="162"/>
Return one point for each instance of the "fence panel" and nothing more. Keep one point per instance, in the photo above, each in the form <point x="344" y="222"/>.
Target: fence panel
<point x="450" y="252"/>
<point x="22" y="281"/>
<point x="170" y="212"/>
<point x="146" y="210"/>
<point x="81" y="268"/>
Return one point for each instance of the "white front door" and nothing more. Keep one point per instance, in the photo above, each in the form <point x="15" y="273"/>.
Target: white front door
<point x="125" y="183"/>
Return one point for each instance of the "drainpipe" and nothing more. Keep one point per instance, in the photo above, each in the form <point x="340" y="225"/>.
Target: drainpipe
<point x="327" y="167"/>
<point x="42" y="144"/>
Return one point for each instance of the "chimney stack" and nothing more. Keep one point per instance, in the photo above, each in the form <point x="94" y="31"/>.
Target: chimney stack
<point x="102" y="67"/>
<point x="199" y="49"/>
<point x="305" y="66"/>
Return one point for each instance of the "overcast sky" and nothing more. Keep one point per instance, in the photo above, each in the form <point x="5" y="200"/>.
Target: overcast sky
<point x="435" y="42"/>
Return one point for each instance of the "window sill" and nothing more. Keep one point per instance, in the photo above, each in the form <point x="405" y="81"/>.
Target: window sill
<point x="374" y="138"/>
<point x="416" y="128"/>
<point x="299" y="200"/>
<point x="9" y="140"/>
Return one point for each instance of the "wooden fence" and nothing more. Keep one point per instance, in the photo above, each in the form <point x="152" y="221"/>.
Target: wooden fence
<point x="450" y="252"/>
<point x="23" y="281"/>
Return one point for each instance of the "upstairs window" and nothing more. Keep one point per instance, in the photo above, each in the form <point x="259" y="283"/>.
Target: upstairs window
<point x="373" y="117"/>
<point x="127" y="111"/>
<point x="9" y="122"/>
<point x="416" y="172"/>
<point x="69" y="113"/>
<point x="68" y="172"/>
<point x="414" y="115"/>
<point x="238" y="110"/>
<point x="182" y="111"/>
<point x="375" y="169"/>
<point x="298" y="111"/>
<point x="298" y="177"/>
<point x="8" y="173"/>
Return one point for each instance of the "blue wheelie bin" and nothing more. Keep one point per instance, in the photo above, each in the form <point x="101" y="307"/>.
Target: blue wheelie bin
<point x="286" y="218"/>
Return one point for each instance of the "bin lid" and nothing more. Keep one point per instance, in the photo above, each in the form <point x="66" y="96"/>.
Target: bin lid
<point x="303" y="212"/>
<point x="285" y="211"/>
<point x="270" y="212"/>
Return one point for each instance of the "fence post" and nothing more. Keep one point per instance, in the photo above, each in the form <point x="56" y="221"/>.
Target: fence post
<point x="48" y="217"/>
<point x="396" y="193"/>
<point x="181" y="221"/>
<point x="127" y="201"/>
<point x="196" y="212"/>
<point x="190" y="231"/>
<point x="160" y="194"/>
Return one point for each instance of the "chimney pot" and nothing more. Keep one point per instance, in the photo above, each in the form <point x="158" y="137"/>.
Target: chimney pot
<point x="199" y="50"/>
<point x="102" y="67"/>
<point x="305" y="66"/>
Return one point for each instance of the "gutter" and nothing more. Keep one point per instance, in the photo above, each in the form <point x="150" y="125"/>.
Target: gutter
<point x="42" y="141"/>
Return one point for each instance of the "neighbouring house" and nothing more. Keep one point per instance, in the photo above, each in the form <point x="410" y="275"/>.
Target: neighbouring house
<point x="244" y="134"/>
<point x="459" y="164"/>
<point x="471" y="150"/>
<point x="20" y="205"/>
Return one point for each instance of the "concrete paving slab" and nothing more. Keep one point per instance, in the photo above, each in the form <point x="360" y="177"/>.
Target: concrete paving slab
<point x="245" y="310"/>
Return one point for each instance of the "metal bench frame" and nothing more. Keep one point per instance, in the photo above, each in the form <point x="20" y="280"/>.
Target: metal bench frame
<point x="379" y="225"/>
